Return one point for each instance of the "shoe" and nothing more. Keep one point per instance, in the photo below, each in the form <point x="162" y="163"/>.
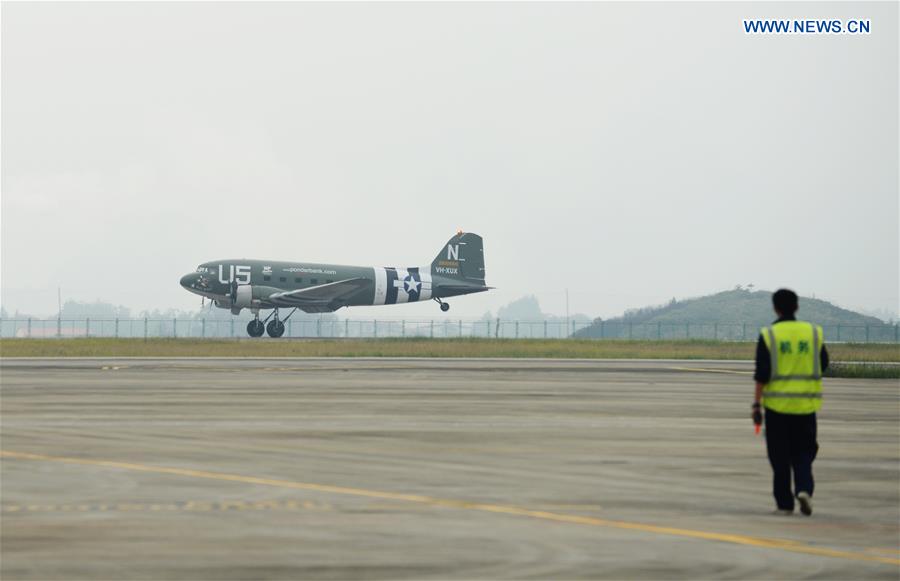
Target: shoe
<point x="805" y="503"/>
<point x="783" y="512"/>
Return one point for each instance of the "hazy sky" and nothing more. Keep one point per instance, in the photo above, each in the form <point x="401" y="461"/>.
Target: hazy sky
<point x="630" y="153"/>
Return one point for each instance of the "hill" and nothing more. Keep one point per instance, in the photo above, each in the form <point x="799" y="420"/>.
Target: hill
<point x="734" y="314"/>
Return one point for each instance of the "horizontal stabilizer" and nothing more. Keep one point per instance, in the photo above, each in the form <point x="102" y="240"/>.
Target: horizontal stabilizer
<point x="467" y="288"/>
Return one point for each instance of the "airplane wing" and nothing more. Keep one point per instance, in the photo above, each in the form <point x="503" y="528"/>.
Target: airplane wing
<point x="323" y="298"/>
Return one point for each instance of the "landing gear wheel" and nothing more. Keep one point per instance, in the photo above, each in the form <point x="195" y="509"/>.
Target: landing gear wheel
<point x="445" y="307"/>
<point x="275" y="328"/>
<point x="255" y="328"/>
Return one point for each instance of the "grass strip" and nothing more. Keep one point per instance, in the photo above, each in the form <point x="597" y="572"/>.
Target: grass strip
<point x="863" y="370"/>
<point x="419" y="347"/>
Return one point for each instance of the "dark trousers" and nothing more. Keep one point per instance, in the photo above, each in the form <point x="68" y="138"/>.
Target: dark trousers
<point x="791" y="443"/>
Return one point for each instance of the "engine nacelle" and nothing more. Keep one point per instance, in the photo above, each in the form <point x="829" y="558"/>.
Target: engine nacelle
<point x="244" y="297"/>
<point x="247" y="296"/>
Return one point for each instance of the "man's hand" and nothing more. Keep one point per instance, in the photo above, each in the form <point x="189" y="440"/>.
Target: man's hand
<point x="757" y="412"/>
<point x="757" y="415"/>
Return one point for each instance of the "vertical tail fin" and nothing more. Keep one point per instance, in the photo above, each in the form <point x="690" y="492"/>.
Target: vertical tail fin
<point x="462" y="257"/>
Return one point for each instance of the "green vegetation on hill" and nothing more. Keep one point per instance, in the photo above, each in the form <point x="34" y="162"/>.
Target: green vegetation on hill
<point x="740" y="313"/>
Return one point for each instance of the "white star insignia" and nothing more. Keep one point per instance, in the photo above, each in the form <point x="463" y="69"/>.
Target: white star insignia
<point x="411" y="285"/>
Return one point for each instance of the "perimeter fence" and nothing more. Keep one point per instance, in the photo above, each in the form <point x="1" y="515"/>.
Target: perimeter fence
<point x="437" y="328"/>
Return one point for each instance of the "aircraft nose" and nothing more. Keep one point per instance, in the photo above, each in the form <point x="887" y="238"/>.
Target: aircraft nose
<point x="188" y="279"/>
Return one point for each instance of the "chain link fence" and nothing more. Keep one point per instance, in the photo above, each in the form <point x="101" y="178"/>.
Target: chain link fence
<point x="299" y="328"/>
<point x="434" y="328"/>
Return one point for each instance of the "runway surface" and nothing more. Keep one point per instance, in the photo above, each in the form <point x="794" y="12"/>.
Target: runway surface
<point x="373" y="468"/>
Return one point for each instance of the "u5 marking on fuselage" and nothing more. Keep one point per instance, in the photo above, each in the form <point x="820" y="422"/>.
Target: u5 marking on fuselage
<point x="240" y="273"/>
<point x="320" y="288"/>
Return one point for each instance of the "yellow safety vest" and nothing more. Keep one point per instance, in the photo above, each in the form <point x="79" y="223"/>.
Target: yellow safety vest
<point x="795" y="386"/>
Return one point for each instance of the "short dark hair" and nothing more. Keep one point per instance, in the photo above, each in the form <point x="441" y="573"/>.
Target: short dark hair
<point x="785" y="301"/>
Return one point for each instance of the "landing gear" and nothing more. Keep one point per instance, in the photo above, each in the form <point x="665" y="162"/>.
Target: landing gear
<point x="275" y="328"/>
<point x="255" y="328"/>
<point x="444" y="306"/>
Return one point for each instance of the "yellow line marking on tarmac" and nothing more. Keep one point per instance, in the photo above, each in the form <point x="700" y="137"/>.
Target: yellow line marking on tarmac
<point x="781" y="544"/>
<point x="707" y="370"/>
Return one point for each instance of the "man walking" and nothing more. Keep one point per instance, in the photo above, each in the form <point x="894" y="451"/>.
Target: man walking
<point x="790" y="359"/>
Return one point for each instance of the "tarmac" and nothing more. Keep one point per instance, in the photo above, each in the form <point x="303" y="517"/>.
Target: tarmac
<point x="428" y="468"/>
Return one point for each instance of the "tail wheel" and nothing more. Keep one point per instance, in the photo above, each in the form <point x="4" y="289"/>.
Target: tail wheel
<point x="275" y="328"/>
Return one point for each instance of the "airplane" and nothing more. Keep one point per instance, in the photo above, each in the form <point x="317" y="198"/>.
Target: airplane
<point x="323" y="288"/>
